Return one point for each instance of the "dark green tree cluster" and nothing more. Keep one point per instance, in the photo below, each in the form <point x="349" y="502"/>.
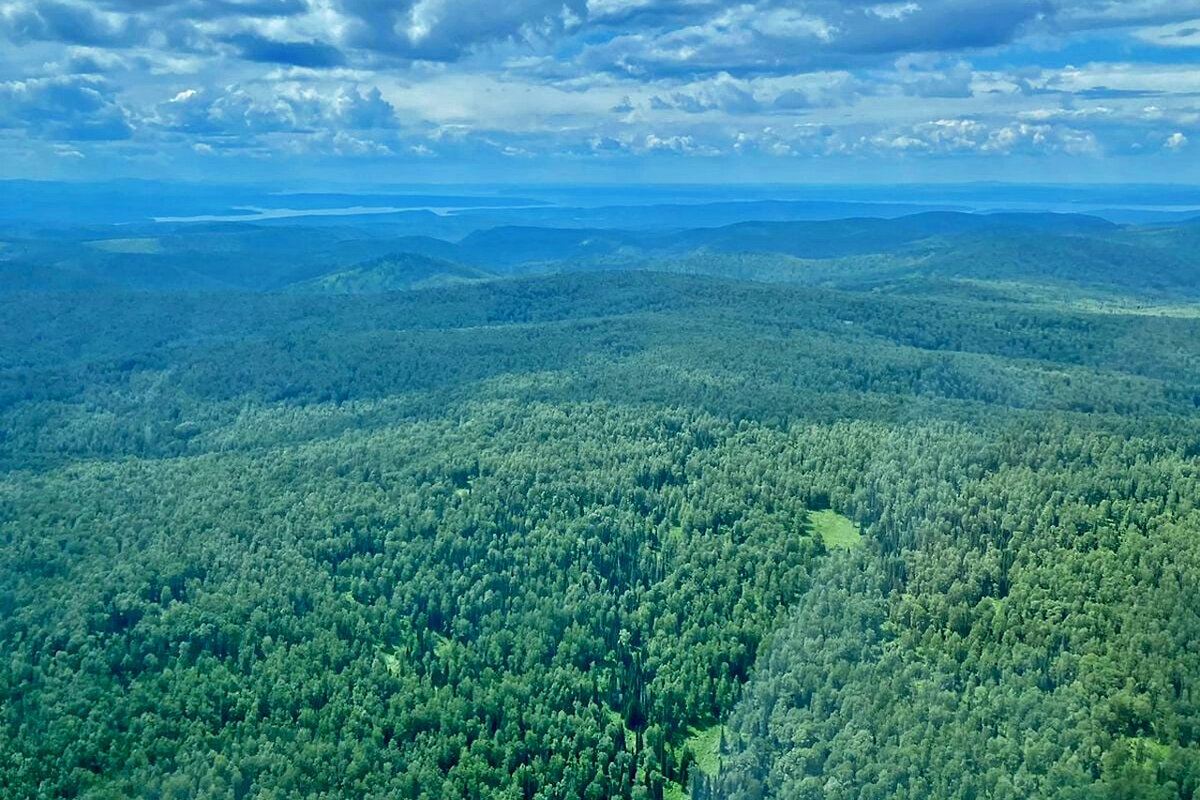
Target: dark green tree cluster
<point x="1040" y="643"/>
<point x="537" y="603"/>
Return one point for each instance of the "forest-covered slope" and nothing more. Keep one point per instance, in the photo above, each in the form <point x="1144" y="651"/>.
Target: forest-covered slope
<point x="524" y="538"/>
<point x="392" y="273"/>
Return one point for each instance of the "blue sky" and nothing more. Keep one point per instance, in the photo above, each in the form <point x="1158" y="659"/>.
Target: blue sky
<point x="362" y="91"/>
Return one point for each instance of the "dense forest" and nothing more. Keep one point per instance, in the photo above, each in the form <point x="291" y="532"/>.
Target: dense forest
<point x="916" y="516"/>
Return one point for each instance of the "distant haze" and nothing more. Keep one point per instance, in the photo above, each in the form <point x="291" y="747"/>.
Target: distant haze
<point x="466" y="208"/>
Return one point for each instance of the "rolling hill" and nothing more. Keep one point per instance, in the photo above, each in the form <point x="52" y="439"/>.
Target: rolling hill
<point x="395" y="272"/>
<point x="1044" y="249"/>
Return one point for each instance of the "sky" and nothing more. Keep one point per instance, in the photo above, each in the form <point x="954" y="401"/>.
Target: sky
<point x="391" y="91"/>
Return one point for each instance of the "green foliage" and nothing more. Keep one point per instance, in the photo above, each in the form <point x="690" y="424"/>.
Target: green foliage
<point x="1023" y="631"/>
<point x="550" y="538"/>
<point x="706" y="747"/>
<point x="837" y="532"/>
<point x="147" y="245"/>
<point x="466" y="613"/>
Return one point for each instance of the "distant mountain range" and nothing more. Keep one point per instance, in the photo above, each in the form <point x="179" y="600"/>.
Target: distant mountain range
<point x="457" y="210"/>
<point x="855" y="252"/>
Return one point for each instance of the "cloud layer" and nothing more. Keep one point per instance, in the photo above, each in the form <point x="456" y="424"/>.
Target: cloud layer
<point x="148" y="85"/>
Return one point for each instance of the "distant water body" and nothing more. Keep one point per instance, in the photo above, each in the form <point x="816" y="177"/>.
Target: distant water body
<point x="256" y="214"/>
<point x="1115" y="211"/>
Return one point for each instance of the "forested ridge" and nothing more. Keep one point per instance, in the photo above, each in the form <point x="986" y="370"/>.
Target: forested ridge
<point x="1067" y="251"/>
<point x="525" y="538"/>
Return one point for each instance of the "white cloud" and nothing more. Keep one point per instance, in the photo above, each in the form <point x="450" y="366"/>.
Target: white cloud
<point x="634" y="77"/>
<point x="971" y="136"/>
<point x="1091" y="14"/>
<point x="1182" y="34"/>
<point x="784" y="23"/>
<point x="422" y="18"/>
<point x="1124" y="76"/>
<point x="346" y="145"/>
<point x="677" y="144"/>
<point x="894" y="10"/>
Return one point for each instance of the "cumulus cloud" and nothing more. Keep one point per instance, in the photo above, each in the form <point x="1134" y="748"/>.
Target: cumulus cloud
<point x="776" y="37"/>
<point x="64" y="108"/>
<point x="245" y="112"/>
<point x="231" y="112"/>
<point x="816" y="91"/>
<point x="692" y="34"/>
<point x="971" y="136"/>
<point x="362" y="110"/>
<point x="683" y="145"/>
<point x="49" y="20"/>
<point x="92" y="61"/>
<point x="724" y="93"/>
<point x="596" y="78"/>
<point x="1176" y="141"/>
<point x="344" y="144"/>
<point x="647" y="35"/>
<point x="444" y="30"/>
<point x="922" y="76"/>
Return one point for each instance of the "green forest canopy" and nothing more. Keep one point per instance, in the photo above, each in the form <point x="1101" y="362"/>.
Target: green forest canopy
<point x="541" y="537"/>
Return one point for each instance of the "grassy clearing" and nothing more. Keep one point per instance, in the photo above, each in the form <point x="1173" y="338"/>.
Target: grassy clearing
<point x="140" y="246"/>
<point x="706" y="744"/>
<point x="392" y="662"/>
<point x="836" y="531"/>
<point x="1087" y="300"/>
<point x="444" y="647"/>
<point x="1134" y="308"/>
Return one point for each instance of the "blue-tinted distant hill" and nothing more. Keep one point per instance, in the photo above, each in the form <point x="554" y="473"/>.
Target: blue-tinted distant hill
<point x="200" y="256"/>
<point x="861" y="236"/>
<point x="859" y="252"/>
<point x="391" y="273"/>
<point x="510" y="246"/>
